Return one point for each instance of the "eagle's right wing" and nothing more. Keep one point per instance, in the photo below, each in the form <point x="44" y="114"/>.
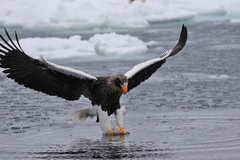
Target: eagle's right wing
<point x="43" y="76"/>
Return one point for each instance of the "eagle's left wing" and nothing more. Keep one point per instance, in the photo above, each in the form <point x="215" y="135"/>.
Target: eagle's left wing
<point x="143" y="71"/>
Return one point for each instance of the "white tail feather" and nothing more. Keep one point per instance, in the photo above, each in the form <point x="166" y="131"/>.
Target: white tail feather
<point x="81" y="115"/>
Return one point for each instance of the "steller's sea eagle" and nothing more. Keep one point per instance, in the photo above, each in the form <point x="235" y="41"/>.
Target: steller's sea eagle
<point x="70" y="84"/>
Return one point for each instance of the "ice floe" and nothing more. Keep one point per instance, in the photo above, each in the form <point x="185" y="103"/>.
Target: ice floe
<point x="111" y="14"/>
<point x="108" y="44"/>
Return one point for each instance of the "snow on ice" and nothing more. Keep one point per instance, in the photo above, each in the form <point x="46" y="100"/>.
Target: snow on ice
<point x="109" y="44"/>
<point x="115" y="44"/>
<point x="105" y="14"/>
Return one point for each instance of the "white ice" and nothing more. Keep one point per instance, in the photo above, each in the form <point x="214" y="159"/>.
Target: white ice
<point x="110" y="44"/>
<point x="111" y="14"/>
<point x="115" y="44"/>
<point x="204" y="77"/>
<point x="57" y="47"/>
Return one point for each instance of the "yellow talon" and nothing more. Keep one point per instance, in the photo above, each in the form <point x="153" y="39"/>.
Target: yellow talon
<point x="122" y="131"/>
<point x="112" y="132"/>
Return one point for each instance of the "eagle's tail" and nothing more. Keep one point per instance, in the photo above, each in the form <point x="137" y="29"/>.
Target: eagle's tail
<point x="81" y="115"/>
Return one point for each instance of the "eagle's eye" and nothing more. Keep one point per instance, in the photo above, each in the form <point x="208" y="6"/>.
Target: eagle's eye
<point x="118" y="82"/>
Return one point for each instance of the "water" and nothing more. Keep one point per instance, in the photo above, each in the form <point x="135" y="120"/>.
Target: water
<point x="189" y="109"/>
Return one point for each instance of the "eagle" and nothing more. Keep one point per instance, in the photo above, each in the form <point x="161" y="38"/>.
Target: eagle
<point x="70" y="84"/>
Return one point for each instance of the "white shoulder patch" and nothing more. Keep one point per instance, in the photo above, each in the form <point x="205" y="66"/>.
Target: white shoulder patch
<point x="69" y="71"/>
<point x="143" y="65"/>
<point x="41" y="58"/>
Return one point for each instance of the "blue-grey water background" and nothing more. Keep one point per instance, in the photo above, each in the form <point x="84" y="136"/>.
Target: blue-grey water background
<point x="189" y="109"/>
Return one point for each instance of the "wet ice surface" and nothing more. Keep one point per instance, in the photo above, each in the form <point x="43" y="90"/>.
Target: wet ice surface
<point x="189" y="109"/>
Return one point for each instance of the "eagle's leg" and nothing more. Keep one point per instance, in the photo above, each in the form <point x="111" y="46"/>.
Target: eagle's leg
<point x="119" y="118"/>
<point x="105" y="123"/>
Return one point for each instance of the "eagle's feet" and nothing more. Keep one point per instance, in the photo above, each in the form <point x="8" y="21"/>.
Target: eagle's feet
<point x="121" y="131"/>
<point x="112" y="132"/>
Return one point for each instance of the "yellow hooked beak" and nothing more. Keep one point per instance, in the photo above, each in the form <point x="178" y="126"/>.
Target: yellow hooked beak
<point x="124" y="88"/>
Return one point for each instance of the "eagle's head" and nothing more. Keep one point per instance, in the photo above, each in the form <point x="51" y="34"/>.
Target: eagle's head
<point x="121" y="81"/>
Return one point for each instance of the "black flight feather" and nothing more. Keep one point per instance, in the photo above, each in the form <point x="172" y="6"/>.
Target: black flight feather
<point x="36" y="74"/>
<point x="146" y="72"/>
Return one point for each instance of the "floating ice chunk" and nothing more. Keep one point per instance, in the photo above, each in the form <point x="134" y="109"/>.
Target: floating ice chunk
<point x="222" y="76"/>
<point x="204" y="77"/>
<point x="57" y="47"/>
<point x="110" y="44"/>
<point x="69" y="14"/>
<point x="105" y="14"/>
<point x="152" y="43"/>
<point x="116" y="44"/>
<point x="235" y="21"/>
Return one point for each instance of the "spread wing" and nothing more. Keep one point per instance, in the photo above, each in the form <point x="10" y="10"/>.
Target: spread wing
<point x="43" y="76"/>
<point x="143" y="71"/>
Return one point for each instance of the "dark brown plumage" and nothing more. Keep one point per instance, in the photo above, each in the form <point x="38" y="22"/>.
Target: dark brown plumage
<point x="108" y="92"/>
<point x="70" y="84"/>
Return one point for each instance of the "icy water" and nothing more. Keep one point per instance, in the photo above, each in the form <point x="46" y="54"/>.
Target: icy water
<point x="189" y="109"/>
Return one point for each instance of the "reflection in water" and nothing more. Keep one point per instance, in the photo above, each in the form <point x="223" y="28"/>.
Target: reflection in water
<point x="108" y="147"/>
